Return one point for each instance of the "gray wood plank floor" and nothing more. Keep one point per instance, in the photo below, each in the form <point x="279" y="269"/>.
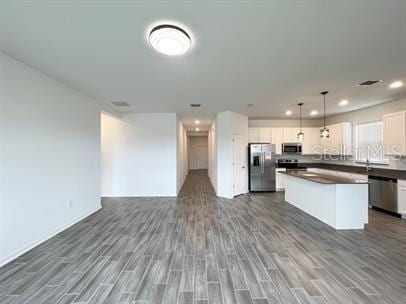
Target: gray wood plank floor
<point x="198" y="248"/>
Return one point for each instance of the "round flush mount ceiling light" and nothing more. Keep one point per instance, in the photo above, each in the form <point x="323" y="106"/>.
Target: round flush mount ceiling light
<point x="288" y="112"/>
<point x="396" y="85"/>
<point x="314" y="112"/>
<point x="343" y="102"/>
<point x="170" y="40"/>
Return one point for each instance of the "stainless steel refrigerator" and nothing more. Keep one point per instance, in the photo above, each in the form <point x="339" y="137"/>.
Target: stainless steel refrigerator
<point x="261" y="167"/>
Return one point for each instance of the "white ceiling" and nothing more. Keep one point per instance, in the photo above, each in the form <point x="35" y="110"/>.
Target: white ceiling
<point x="271" y="54"/>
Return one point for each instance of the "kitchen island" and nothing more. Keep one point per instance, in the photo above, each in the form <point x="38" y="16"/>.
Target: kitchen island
<point x="339" y="202"/>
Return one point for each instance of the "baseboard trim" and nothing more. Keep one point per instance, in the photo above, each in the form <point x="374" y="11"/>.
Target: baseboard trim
<point x="36" y="243"/>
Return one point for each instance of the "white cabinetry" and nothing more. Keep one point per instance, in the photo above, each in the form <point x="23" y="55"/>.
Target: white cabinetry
<point x="311" y="140"/>
<point x="402" y="197"/>
<point x="259" y="135"/>
<point x="277" y="139"/>
<point x="338" y="143"/>
<point x="280" y="179"/>
<point x="289" y="135"/>
<point x="394" y="133"/>
<point x="340" y="140"/>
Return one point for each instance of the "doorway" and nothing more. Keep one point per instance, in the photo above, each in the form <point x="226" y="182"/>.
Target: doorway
<point x="198" y="155"/>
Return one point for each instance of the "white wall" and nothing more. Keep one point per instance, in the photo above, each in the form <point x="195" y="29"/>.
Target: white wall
<point x="227" y="125"/>
<point x="181" y="154"/>
<point x="139" y="155"/>
<point x="196" y="142"/>
<point x="369" y="114"/>
<point x="49" y="154"/>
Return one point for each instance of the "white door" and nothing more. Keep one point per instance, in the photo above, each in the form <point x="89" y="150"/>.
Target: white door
<point x="239" y="166"/>
<point x="202" y="156"/>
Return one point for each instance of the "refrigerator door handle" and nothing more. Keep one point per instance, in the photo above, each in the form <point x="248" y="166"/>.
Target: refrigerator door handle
<point x="263" y="163"/>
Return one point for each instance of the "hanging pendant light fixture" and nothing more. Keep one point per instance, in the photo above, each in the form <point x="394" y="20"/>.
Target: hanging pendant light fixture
<point x="324" y="133"/>
<point x="300" y="135"/>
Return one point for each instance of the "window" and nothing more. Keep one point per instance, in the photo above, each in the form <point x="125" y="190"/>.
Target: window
<point x="369" y="142"/>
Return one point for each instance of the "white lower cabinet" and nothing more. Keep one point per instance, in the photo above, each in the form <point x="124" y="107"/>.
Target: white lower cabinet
<point x="402" y="197"/>
<point x="280" y="179"/>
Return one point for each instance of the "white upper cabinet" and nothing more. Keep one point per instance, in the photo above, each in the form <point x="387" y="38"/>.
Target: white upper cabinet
<point x="394" y="133"/>
<point x="340" y="140"/>
<point x="259" y="135"/>
<point x="311" y="142"/>
<point x="277" y="139"/>
<point x="338" y="143"/>
<point x="289" y="135"/>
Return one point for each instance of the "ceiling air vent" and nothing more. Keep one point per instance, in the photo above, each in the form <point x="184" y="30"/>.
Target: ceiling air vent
<point x="195" y="105"/>
<point x="120" y="104"/>
<point x="369" y="82"/>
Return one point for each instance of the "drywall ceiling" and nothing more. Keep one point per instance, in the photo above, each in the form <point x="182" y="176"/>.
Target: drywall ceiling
<point x="271" y="54"/>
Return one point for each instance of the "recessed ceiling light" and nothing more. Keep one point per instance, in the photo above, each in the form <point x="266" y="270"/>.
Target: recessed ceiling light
<point x="197" y="122"/>
<point x="314" y="112"/>
<point x="197" y="129"/>
<point x="343" y="102"/>
<point x="396" y="84"/>
<point x="170" y="40"/>
<point x="288" y="112"/>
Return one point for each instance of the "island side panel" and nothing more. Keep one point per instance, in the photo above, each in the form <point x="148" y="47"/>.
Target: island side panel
<point x="352" y="206"/>
<point x="313" y="198"/>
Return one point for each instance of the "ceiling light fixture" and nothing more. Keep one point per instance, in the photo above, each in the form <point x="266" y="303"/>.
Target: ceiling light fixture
<point x="324" y="133"/>
<point x="170" y="40"/>
<point x="197" y="129"/>
<point x="300" y="135"/>
<point x="288" y="112"/>
<point x="197" y="122"/>
<point x="343" y="102"/>
<point x="396" y="84"/>
<point x="314" y="112"/>
<point x="369" y="83"/>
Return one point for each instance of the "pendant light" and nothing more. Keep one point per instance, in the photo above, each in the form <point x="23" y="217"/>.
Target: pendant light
<point x="300" y="135"/>
<point x="324" y="133"/>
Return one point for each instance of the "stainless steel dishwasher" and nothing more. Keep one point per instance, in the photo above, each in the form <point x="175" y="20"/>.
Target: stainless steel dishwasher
<point x="383" y="193"/>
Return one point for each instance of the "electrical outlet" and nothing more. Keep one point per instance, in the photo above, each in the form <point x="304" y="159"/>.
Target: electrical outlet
<point x="70" y="204"/>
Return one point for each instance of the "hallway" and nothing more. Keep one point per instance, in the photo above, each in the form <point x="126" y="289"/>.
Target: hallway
<point x="198" y="248"/>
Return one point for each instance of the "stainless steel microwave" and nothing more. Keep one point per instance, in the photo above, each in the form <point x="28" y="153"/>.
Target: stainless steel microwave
<point x="292" y="148"/>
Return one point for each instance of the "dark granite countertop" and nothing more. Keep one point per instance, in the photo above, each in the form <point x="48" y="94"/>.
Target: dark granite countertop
<point x="383" y="172"/>
<point x="324" y="178"/>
